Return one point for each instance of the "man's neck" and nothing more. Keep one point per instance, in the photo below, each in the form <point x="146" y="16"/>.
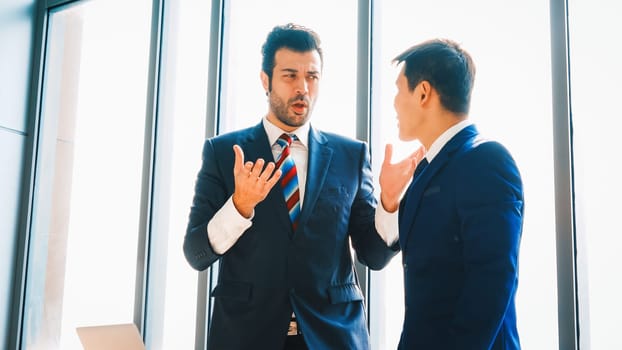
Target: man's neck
<point x="442" y="122"/>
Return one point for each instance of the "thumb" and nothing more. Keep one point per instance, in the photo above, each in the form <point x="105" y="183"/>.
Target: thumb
<point x="388" y="154"/>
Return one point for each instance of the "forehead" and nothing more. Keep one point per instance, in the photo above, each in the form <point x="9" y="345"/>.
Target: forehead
<point x="288" y="59"/>
<point x="401" y="77"/>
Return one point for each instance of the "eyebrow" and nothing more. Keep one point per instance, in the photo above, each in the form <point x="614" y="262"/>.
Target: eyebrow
<point x="293" y="70"/>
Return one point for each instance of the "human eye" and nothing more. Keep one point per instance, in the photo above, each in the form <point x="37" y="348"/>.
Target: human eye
<point x="289" y="76"/>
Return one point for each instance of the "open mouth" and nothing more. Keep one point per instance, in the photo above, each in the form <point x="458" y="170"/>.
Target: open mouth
<point x="299" y="107"/>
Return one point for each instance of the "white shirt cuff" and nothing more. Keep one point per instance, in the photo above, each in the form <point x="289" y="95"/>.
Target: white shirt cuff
<point x="226" y="227"/>
<point x="387" y="225"/>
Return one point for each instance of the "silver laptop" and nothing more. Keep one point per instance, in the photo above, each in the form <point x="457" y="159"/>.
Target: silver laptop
<point x="108" y="337"/>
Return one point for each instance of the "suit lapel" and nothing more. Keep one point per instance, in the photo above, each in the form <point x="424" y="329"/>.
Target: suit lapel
<point x="410" y="202"/>
<point x="256" y="146"/>
<point x="320" y="155"/>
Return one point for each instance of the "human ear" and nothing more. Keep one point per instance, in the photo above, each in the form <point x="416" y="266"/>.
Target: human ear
<point x="425" y="90"/>
<point x="265" y="81"/>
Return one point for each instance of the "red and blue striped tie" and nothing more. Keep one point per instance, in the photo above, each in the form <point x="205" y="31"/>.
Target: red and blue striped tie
<point x="289" y="178"/>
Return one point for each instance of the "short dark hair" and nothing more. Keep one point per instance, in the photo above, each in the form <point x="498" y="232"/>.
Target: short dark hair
<point x="446" y="66"/>
<point x="291" y="36"/>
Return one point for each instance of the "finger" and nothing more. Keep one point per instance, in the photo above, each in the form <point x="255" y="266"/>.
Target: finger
<point x="274" y="179"/>
<point x="248" y="167"/>
<point x="239" y="159"/>
<point x="267" y="171"/>
<point x="257" y="168"/>
<point x="419" y="154"/>
<point x="416" y="156"/>
<point x="388" y="153"/>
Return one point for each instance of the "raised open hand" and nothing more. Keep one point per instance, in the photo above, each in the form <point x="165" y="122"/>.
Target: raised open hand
<point x="395" y="177"/>
<point x="253" y="182"/>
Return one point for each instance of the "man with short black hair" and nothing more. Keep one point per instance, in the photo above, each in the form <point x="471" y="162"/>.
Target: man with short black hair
<point x="461" y="218"/>
<point x="281" y="224"/>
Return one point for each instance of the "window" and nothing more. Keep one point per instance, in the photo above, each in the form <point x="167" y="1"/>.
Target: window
<point x="89" y="186"/>
<point x="86" y="209"/>
<point x="244" y="101"/>
<point x="595" y="76"/>
<point x="181" y="132"/>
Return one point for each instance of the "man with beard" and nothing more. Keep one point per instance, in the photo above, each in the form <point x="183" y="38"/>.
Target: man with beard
<point x="280" y="223"/>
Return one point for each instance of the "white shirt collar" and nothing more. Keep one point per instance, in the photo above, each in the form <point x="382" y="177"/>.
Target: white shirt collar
<point x="438" y="144"/>
<point x="273" y="132"/>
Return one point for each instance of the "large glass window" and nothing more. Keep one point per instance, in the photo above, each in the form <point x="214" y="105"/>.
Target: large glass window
<point x="244" y="99"/>
<point x="181" y="131"/>
<point x="511" y="103"/>
<point x="86" y="210"/>
<point x="595" y="76"/>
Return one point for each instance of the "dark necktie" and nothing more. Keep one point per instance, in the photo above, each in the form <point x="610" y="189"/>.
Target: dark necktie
<point x="420" y="167"/>
<point x="289" y="178"/>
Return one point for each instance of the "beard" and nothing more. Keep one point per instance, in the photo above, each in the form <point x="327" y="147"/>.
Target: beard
<point x="280" y="108"/>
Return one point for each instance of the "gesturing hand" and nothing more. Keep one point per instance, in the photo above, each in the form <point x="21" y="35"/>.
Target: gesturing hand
<point x="394" y="177"/>
<point x="253" y="182"/>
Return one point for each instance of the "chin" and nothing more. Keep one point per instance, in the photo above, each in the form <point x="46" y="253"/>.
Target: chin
<point x="400" y="134"/>
<point x="298" y="119"/>
<point x="404" y="138"/>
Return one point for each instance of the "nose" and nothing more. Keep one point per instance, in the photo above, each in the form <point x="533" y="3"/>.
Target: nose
<point x="302" y="88"/>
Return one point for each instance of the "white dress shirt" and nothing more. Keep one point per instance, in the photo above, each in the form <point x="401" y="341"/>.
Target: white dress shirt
<point x="227" y="225"/>
<point x="442" y="140"/>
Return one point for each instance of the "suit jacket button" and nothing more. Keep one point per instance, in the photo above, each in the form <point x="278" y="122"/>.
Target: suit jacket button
<point x="405" y="266"/>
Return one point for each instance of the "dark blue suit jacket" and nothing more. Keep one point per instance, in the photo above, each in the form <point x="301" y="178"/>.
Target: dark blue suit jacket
<point x="460" y="228"/>
<point x="272" y="269"/>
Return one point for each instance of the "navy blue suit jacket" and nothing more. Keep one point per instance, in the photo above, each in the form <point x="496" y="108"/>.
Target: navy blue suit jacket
<point x="460" y="228"/>
<point x="271" y="270"/>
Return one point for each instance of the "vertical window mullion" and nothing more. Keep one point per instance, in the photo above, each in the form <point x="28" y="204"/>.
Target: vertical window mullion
<point x="564" y="201"/>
